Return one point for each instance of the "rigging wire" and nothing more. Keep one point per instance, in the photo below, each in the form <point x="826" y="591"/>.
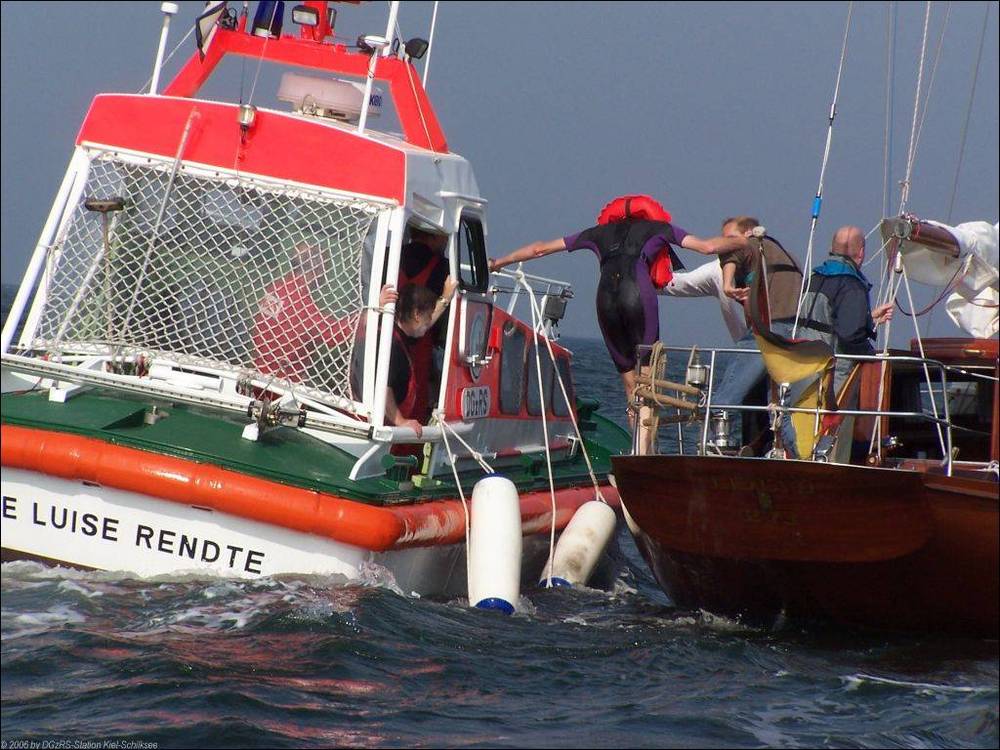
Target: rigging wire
<point x="260" y="57"/>
<point x="968" y="112"/>
<point x="911" y="152"/>
<point x="145" y="86"/>
<point x="930" y="84"/>
<point x="818" y="200"/>
<point x="892" y="13"/>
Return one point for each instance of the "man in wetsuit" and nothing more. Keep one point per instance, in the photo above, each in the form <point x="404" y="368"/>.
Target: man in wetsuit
<point x="627" y="310"/>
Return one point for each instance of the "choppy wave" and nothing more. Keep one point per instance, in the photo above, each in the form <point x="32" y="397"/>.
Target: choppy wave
<point x="314" y="661"/>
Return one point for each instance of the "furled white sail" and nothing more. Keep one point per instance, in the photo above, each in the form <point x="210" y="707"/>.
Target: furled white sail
<point x="963" y="258"/>
<point x="974" y="306"/>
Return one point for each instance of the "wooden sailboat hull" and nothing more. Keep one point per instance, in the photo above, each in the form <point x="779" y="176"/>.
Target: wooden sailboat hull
<point x="761" y="539"/>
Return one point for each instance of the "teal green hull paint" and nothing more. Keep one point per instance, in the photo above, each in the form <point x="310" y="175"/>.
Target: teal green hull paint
<point x="285" y="456"/>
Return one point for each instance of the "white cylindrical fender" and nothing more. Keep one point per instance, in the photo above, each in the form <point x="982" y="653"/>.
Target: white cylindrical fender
<point x="581" y="544"/>
<point x="495" y="545"/>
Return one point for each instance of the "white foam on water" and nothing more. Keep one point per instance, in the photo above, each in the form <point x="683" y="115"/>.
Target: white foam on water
<point x="34" y="623"/>
<point x="373" y="575"/>
<point x="855" y="681"/>
<point x="73" y="586"/>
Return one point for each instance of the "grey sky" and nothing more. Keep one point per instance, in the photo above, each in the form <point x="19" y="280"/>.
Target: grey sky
<point x="715" y="109"/>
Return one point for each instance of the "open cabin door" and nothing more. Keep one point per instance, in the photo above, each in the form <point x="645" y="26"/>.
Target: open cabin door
<point x="471" y="323"/>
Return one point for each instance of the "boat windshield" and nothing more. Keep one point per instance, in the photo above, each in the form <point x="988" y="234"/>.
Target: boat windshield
<point x="200" y="268"/>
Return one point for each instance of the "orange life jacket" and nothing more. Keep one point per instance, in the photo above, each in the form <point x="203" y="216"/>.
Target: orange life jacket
<point x="661" y="269"/>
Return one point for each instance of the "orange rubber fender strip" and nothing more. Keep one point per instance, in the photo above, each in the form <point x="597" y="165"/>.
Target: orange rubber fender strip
<point x="443" y="521"/>
<point x="178" y="480"/>
<point x="190" y="483"/>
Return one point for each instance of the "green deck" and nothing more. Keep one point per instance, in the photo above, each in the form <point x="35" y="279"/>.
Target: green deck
<point x="284" y="455"/>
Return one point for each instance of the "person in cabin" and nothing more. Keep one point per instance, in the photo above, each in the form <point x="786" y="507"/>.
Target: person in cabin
<point x="633" y="241"/>
<point x="784" y="280"/>
<point x="418" y="308"/>
<point x="422" y="260"/>
<point x="289" y="325"/>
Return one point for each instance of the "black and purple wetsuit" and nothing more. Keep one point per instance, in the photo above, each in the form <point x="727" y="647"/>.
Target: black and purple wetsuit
<point x="626" y="300"/>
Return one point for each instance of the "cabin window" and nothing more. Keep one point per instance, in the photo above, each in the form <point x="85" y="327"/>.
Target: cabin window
<point x="533" y="396"/>
<point x="512" y="369"/>
<point x="473" y="265"/>
<point x="559" y="406"/>
<point x="970" y="405"/>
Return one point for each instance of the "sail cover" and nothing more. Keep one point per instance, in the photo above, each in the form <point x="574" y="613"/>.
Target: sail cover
<point x="964" y="257"/>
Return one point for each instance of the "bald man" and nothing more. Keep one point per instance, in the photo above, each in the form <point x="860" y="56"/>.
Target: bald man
<point x="837" y="309"/>
<point x="836" y="304"/>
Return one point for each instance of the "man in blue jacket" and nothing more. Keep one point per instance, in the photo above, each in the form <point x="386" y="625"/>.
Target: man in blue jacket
<point x="836" y="304"/>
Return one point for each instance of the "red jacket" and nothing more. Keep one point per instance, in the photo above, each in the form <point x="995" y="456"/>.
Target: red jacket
<point x="289" y="325"/>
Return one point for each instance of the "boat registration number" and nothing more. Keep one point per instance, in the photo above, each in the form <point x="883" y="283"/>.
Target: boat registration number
<point x="475" y="402"/>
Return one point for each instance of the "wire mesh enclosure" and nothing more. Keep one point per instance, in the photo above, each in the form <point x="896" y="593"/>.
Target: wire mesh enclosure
<point x="208" y="270"/>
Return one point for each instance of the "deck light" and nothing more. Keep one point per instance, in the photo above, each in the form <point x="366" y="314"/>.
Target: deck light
<point x="369" y="43"/>
<point x="247" y="117"/>
<point x="305" y="16"/>
<point x="267" y="22"/>
<point x="416" y="48"/>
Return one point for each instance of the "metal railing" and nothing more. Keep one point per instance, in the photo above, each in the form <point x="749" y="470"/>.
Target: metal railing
<point x="705" y="406"/>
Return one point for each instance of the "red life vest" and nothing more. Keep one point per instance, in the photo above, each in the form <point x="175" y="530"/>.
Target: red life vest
<point x="633" y="207"/>
<point x="661" y="270"/>
<point x="408" y="406"/>
<point x="421" y="351"/>
<point x="424" y="276"/>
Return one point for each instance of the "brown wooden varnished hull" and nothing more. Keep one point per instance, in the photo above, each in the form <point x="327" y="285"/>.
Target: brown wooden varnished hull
<point x="881" y="548"/>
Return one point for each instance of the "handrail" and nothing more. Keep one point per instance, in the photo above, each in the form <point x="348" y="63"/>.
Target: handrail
<point x="707" y="406"/>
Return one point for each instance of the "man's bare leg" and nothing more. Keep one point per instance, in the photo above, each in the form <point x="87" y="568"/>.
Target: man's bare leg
<point x="646" y="435"/>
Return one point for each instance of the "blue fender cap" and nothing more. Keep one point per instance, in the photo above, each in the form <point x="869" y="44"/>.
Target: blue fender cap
<point x="556" y="583"/>
<point x="495" y="603"/>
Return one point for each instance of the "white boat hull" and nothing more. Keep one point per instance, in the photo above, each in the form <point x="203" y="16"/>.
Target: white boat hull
<point x="89" y="526"/>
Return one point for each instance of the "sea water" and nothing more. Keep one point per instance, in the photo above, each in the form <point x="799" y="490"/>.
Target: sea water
<point x="98" y="660"/>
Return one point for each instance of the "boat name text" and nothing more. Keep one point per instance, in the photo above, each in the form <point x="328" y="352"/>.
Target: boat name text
<point x="162" y="540"/>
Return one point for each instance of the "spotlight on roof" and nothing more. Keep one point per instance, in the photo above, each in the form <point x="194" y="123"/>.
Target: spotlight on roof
<point x="416" y="48"/>
<point x="303" y="15"/>
<point x="370" y="43"/>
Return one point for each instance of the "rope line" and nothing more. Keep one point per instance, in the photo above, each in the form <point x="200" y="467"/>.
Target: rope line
<point x="968" y="113"/>
<point x="536" y="309"/>
<point x="545" y="433"/>
<point x="892" y="12"/>
<point x="930" y="84"/>
<point x="818" y="200"/>
<point x="911" y="152"/>
<point x="461" y="495"/>
<point x="145" y="86"/>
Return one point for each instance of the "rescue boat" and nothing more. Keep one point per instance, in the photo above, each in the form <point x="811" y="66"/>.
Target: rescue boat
<point x="157" y="419"/>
